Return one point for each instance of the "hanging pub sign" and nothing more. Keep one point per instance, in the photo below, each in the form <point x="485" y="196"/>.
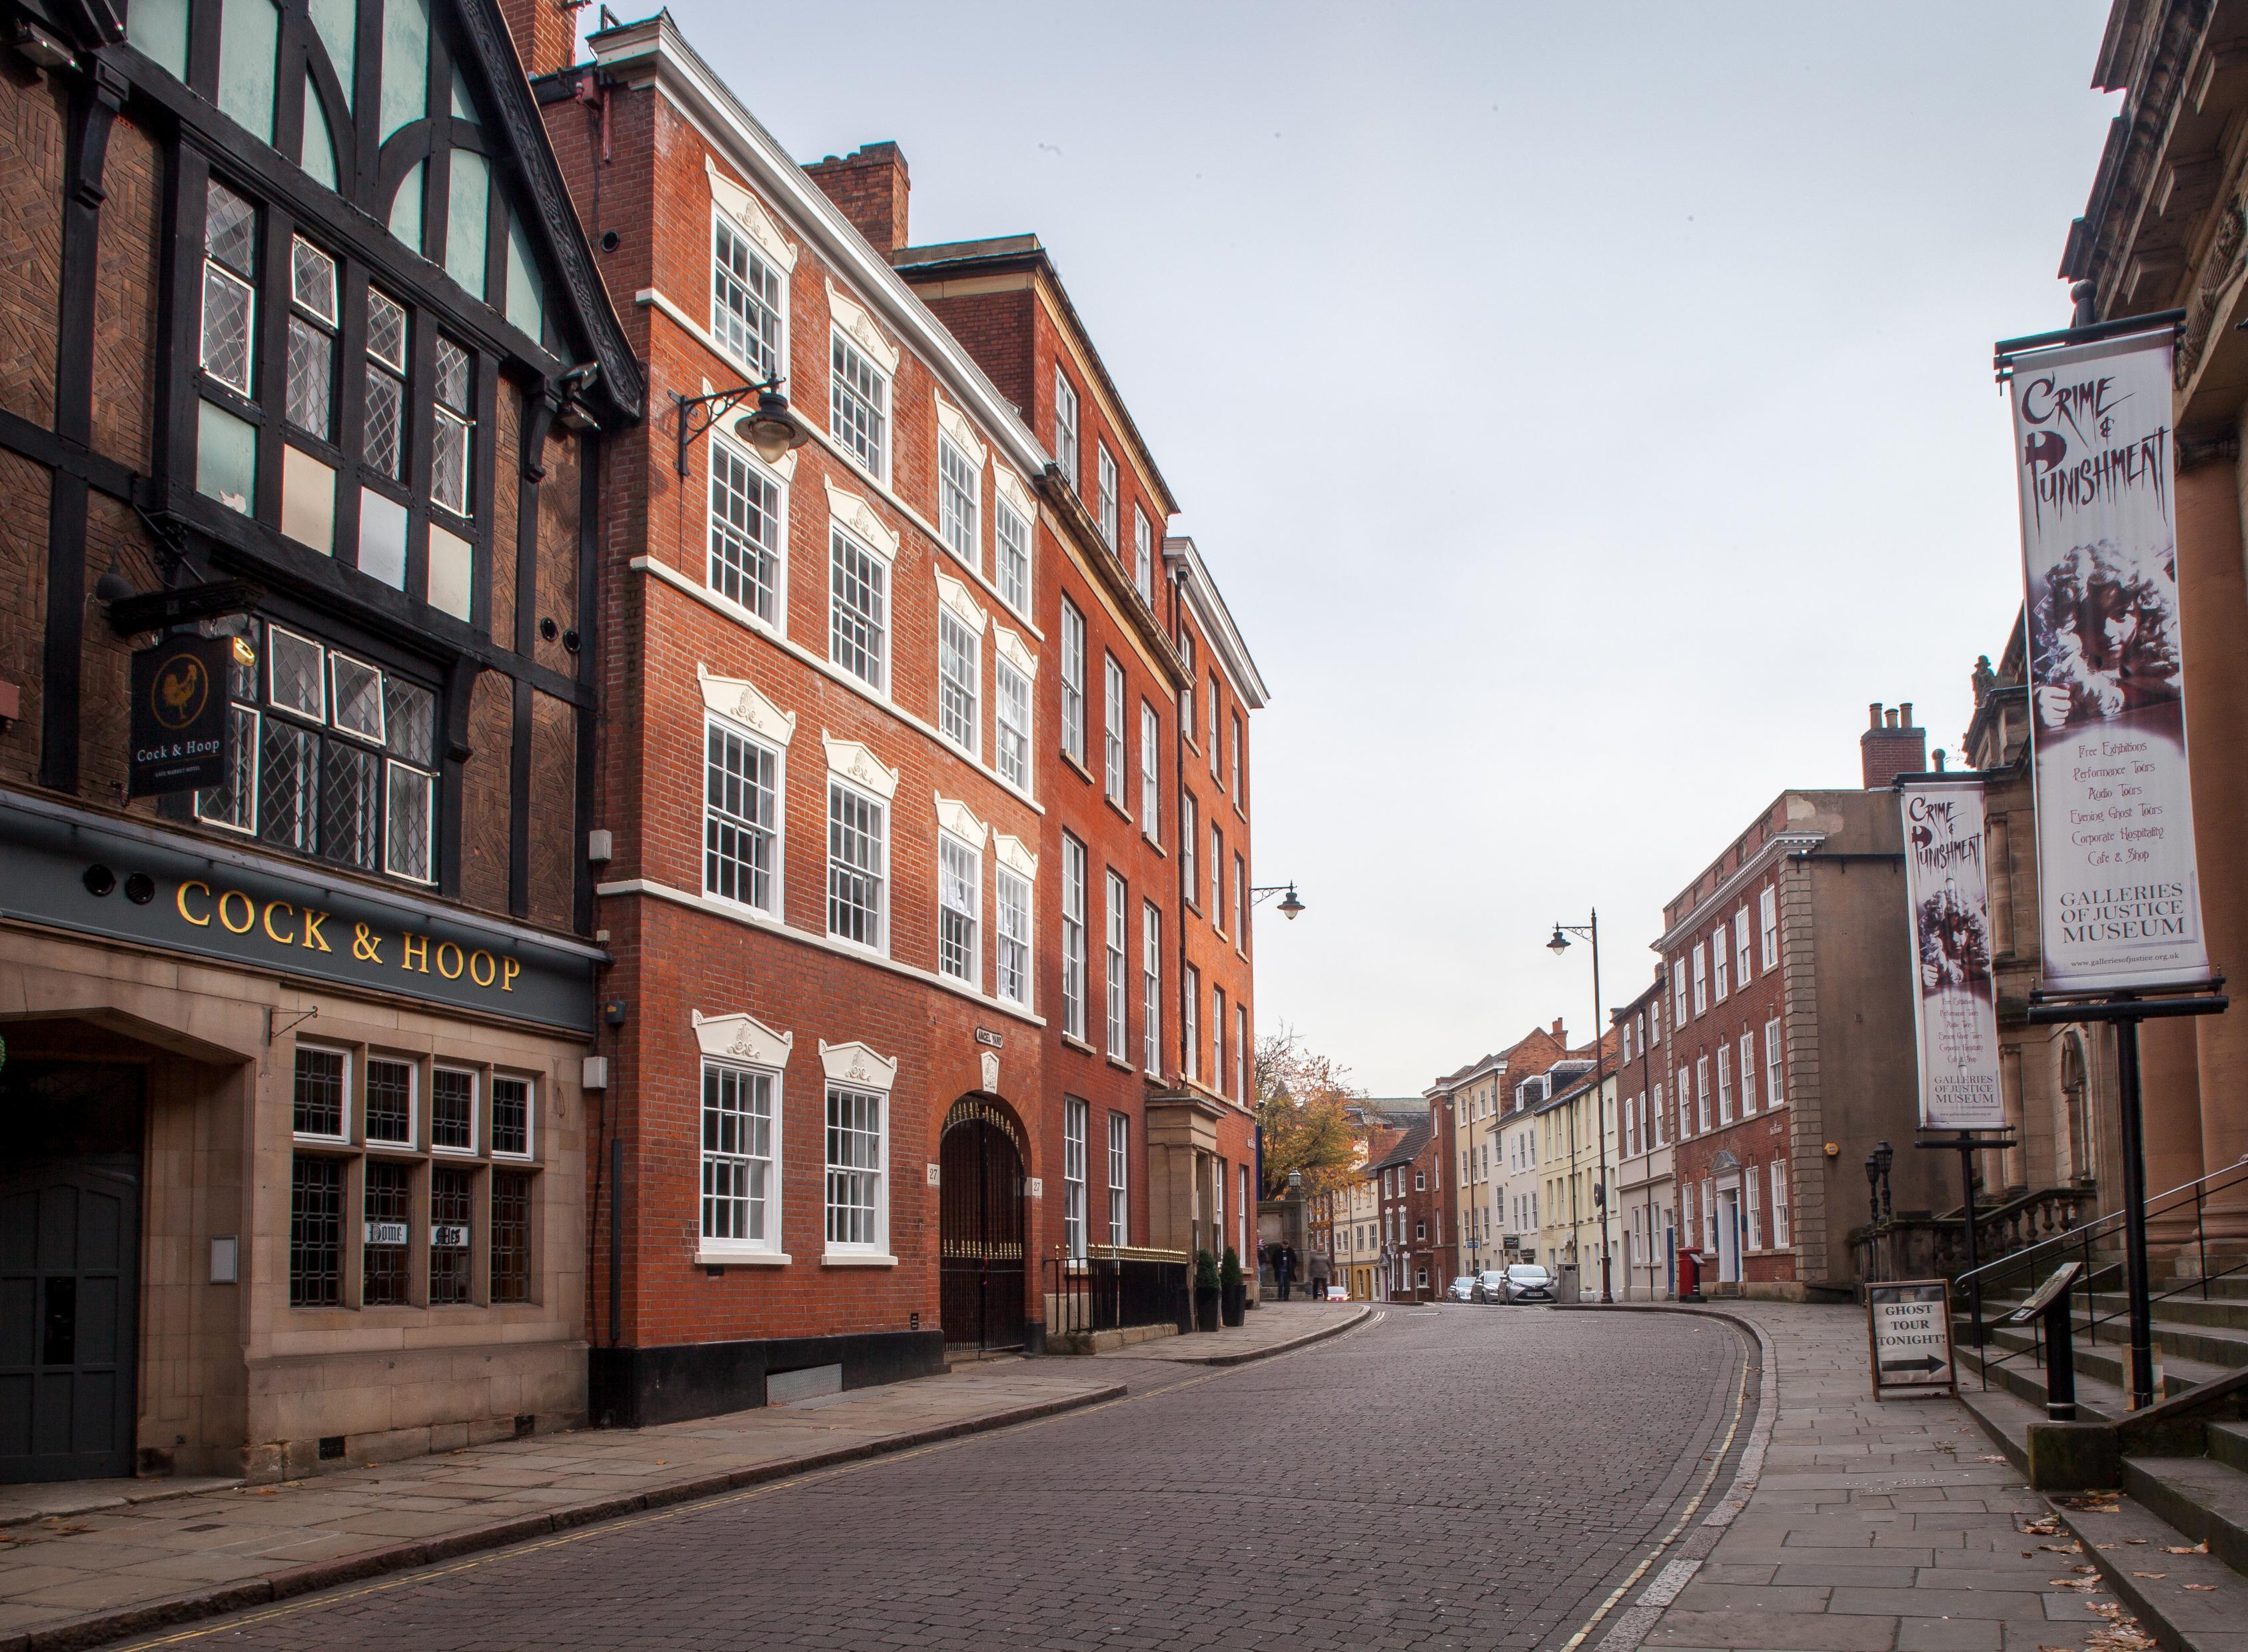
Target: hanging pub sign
<point x="1955" y="999"/>
<point x="2095" y="459"/>
<point x="178" y="725"/>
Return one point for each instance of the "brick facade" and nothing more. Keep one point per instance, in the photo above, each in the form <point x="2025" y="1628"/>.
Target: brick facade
<point x="775" y="988"/>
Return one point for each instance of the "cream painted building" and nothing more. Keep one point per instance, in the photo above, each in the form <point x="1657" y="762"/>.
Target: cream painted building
<point x="1573" y="1128"/>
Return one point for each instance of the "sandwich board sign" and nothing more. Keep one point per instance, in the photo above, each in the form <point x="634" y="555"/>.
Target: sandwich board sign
<point x="1909" y="1334"/>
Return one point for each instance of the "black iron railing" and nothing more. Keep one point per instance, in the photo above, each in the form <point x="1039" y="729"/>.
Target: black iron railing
<point x="1116" y="1287"/>
<point x="1989" y="1293"/>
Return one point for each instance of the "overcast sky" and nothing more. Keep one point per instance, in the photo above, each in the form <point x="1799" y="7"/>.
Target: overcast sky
<point x="1587" y="412"/>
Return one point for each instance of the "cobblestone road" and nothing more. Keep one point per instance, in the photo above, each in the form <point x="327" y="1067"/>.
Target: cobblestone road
<point x="1455" y="1477"/>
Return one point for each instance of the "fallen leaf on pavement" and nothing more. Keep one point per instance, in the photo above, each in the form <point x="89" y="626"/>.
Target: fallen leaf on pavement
<point x="2198" y="1588"/>
<point x="2187" y="1548"/>
<point x="2150" y="1574"/>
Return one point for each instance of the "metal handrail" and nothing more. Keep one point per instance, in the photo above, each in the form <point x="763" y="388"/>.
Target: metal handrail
<point x="2082" y="1240"/>
<point x="2214" y="1181"/>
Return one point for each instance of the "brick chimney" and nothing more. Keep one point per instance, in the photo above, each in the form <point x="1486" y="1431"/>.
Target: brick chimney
<point x="1892" y="746"/>
<point x="1560" y="1037"/>
<point x="870" y="185"/>
<point x="546" y="34"/>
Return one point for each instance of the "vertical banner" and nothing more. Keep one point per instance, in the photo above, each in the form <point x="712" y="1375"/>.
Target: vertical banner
<point x="1955" y="1005"/>
<point x="2120" y="898"/>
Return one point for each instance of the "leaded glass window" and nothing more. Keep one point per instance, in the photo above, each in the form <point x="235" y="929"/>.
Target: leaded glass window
<point x="452" y="1209"/>
<point x="449" y="457"/>
<point x="385" y="412"/>
<point x="383" y="1249"/>
<point x="229" y="293"/>
<point x="310" y="388"/>
<point x="390" y="1103"/>
<point x="336" y="758"/>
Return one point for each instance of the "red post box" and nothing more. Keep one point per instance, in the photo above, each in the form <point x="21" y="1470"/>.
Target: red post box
<point x="1690" y="1276"/>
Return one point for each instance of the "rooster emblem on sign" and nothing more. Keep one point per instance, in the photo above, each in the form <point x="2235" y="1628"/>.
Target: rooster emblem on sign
<point x="179" y="691"/>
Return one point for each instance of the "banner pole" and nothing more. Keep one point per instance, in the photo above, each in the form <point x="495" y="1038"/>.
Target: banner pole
<point x="2135" y="1213"/>
<point x="1967" y="1145"/>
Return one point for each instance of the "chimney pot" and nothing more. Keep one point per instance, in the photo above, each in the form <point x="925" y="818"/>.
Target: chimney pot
<point x="1904" y="714"/>
<point x="1875" y="711"/>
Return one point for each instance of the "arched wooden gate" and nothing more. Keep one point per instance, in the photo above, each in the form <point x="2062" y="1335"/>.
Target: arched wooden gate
<point x="980" y="1225"/>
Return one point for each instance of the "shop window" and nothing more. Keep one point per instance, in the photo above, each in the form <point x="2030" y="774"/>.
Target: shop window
<point x="315" y="1232"/>
<point x="383" y="1247"/>
<point x="510" y="1120"/>
<point x="452" y="1217"/>
<point x="453" y="1111"/>
<point x="321" y="1101"/>
<point x="511" y="1237"/>
<point x="390" y="1103"/>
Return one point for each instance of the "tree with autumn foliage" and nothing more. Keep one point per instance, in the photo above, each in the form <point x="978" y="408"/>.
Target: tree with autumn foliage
<point x="1300" y="1098"/>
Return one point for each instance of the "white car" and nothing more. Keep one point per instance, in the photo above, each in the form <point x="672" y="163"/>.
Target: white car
<point x="1338" y="1293"/>
<point x="1527" y="1282"/>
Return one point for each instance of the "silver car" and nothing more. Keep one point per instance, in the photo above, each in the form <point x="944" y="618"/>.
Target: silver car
<point x="1527" y="1282"/>
<point x="1461" y="1289"/>
<point x="1491" y="1285"/>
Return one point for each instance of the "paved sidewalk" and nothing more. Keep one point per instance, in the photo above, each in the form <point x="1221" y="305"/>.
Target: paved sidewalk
<point x="1887" y="1527"/>
<point x="80" y="1578"/>
<point x="1273" y="1328"/>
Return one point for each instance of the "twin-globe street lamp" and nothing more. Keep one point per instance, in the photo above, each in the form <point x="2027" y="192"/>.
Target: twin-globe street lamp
<point x="1557" y="946"/>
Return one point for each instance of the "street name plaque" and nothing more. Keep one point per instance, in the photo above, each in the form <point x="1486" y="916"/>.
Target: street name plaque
<point x="1908" y="1336"/>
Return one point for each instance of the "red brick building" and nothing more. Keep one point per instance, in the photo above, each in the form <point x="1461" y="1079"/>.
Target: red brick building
<point x="1409" y="1181"/>
<point x="307" y="374"/>
<point x="889" y="787"/>
<point x="1787" y="1033"/>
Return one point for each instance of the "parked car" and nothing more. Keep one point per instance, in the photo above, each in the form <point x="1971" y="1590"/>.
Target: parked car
<point x="1461" y="1289"/>
<point x="1527" y="1282"/>
<point x="1491" y="1285"/>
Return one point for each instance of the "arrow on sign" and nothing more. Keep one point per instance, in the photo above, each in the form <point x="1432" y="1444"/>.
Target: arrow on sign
<point x="1926" y="1363"/>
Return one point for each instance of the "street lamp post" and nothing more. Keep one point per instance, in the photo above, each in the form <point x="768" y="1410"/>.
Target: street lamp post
<point x="1558" y="945"/>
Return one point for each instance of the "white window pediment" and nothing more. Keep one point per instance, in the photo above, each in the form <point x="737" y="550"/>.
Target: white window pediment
<point x="749" y="213"/>
<point x="855" y="1065"/>
<point x="732" y="697"/>
<point x="1011" y="489"/>
<point x="1013" y="651"/>
<point x="856" y="515"/>
<point x="960" y="821"/>
<point x="742" y="1038"/>
<point x="852" y="317"/>
<point x="955" y="596"/>
<point x="1013" y="856"/>
<point x="859" y="766"/>
<point x="955" y="424"/>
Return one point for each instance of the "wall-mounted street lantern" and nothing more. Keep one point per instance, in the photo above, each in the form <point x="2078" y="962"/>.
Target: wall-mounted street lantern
<point x="769" y="429"/>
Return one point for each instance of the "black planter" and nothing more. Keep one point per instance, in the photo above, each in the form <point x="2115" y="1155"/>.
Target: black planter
<point x="1234" y="1303"/>
<point x="1206" y="1307"/>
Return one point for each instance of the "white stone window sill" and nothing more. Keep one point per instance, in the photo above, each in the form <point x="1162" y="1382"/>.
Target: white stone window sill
<point x="857" y="1259"/>
<point x="743" y="1258"/>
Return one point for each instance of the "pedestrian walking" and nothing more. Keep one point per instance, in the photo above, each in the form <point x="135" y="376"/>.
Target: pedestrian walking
<point x="1318" y="1272"/>
<point x="1284" y="1269"/>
